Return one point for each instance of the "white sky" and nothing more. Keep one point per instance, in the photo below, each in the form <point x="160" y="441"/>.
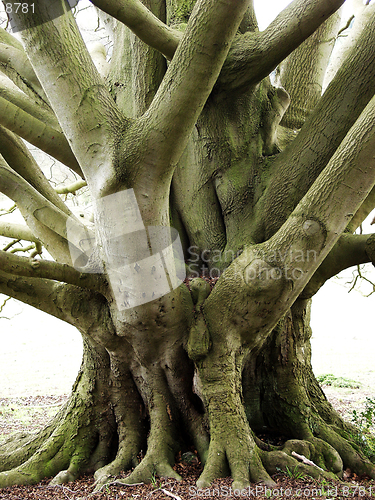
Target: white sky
<point x="267" y="10"/>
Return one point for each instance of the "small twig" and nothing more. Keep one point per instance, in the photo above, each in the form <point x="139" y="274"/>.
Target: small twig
<point x="306" y="460"/>
<point x="9" y="245"/>
<point x="6" y="211"/>
<point x="72" y="188"/>
<point x="63" y="489"/>
<point x="116" y="481"/>
<point x="38" y="250"/>
<point x="60" y="486"/>
<point x="168" y="493"/>
<point x="3" y="304"/>
<point x="25" y="249"/>
<point x="346" y="25"/>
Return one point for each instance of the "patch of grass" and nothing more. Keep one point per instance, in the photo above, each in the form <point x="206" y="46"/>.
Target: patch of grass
<point x="294" y="473"/>
<point x="329" y="379"/>
<point x="154" y="481"/>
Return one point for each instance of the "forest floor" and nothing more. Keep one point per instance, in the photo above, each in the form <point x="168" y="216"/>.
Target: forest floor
<point x="350" y="398"/>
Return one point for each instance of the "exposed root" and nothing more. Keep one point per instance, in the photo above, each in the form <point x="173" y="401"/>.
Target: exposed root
<point x="103" y="429"/>
<point x="350" y="457"/>
<point x="20" y="447"/>
<point x="126" y="457"/>
<point x="162" y="446"/>
<point x="232" y="447"/>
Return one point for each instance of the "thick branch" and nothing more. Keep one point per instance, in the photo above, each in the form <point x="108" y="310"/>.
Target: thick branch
<point x="10" y="92"/>
<point x="36" y="132"/>
<point x="38" y="293"/>
<point x="254" y="55"/>
<point x="89" y="118"/>
<point x="364" y="210"/>
<point x="350" y="250"/>
<point x="249" y="21"/>
<point x="45" y="220"/>
<point x="19" y="158"/>
<point x="59" y="300"/>
<point x="31" y="268"/>
<point x="12" y="54"/>
<point x="16" y="231"/>
<point x="335" y="196"/>
<point x="302" y="73"/>
<point x="266" y="279"/>
<point x="186" y="87"/>
<point x="300" y="164"/>
<point x="143" y="23"/>
<point x="370" y="248"/>
<point x="348" y="38"/>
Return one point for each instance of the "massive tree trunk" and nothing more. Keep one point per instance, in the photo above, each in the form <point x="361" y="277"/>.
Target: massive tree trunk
<point x="197" y="144"/>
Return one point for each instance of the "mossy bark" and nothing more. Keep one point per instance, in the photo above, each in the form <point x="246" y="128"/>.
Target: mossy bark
<point x="151" y="400"/>
<point x="203" y="366"/>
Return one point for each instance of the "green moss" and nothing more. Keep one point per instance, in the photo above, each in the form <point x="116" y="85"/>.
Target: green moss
<point x="180" y="11"/>
<point x="199" y="342"/>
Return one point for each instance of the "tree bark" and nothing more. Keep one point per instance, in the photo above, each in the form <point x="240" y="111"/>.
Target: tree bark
<point x="224" y="355"/>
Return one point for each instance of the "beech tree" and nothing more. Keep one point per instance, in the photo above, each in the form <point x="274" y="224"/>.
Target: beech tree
<point x="186" y="143"/>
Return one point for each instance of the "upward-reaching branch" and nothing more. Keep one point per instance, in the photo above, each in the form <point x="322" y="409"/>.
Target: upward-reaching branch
<point x="19" y="158"/>
<point x="302" y="73"/>
<point x="21" y="117"/>
<point x="10" y="92"/>
<point x="47" y="222"/>
<point x="254" y="55"/>
<point x="154" y="143"/>
<point x="249" y="21"/>
<point x="312" y="229"/>
<point x="364" y="210"/>
<point x="187" y="84"/>
<point x="300" y="164"/>
<point x="89" y="118"/>
<point x="13" y="55"/>
<point x="143" y="23"/>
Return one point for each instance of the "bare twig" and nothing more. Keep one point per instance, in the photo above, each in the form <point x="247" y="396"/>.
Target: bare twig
<point x="6" y="211"/>
<point x="63" y="488"/>
<point x="168" y="493"/>
<point x="9" y="245"/>
<point x="72" y="188"/>
<point x="21" y="249"/>
<point x="306" y="460"/>
<point x="4" y="304"/>
<point x="361" y="276"/>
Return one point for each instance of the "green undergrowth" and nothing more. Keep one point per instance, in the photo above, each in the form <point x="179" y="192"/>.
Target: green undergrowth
<point x="365" y="423"/>
<point x="332" y="380"/>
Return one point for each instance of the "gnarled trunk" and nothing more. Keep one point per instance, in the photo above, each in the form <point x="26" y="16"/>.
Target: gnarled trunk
<point x="151" y="399"/>
<point x="199" y="145"/>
